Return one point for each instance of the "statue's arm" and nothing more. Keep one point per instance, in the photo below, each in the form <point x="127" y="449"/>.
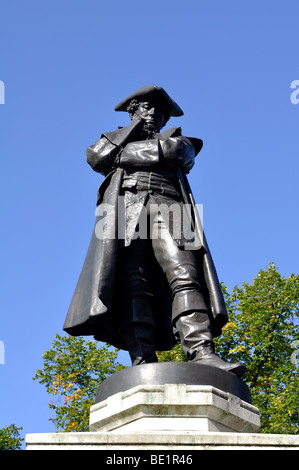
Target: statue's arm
<point x="153" y="153"/>
<point x="145" y="153"/>
<point x="103" y="156"/>
<point x="178" y="151"/>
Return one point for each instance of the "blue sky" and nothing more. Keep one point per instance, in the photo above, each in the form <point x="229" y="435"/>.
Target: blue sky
<point x="65" y="65"/>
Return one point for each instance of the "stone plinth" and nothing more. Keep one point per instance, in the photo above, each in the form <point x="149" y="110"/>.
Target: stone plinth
<point x="186" y="442"/>
<point x="169" y="407"/>
<point x="173" y="396"/>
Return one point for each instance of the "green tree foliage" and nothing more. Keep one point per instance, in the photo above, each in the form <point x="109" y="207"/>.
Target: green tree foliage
<point x="10" y="438"/>
<point x="262" y="332"/>
<point x="73" y="369"/>
<point x="175" y="355"/>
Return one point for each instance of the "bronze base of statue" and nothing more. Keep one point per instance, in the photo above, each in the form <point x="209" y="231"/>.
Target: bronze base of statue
<point x="162" y="373"/>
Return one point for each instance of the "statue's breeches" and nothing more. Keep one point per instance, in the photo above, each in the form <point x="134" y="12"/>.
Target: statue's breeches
<point x="179" y="267"/>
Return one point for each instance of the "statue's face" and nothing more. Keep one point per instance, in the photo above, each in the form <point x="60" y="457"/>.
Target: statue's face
<point x="152" y="113"/>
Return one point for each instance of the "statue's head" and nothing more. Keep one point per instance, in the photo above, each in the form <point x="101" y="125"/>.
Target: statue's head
<point x="152" y="104"/>
<point x="154" y="114"/>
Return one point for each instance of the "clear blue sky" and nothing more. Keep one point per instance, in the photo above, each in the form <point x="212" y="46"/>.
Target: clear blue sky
<point x="65" y="65"/>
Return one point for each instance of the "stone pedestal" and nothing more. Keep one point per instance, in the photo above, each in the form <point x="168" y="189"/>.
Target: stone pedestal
<point x="173" y="407"/>
<point x="173" y="396"/>
<point x="167" y="407"/>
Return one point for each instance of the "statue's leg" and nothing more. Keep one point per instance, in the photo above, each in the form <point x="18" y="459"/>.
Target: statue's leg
<point x="189" y="312"/>
<point x="180" y="269"/>
<point x="136" y="323"/>
<point x="140" y="334"/>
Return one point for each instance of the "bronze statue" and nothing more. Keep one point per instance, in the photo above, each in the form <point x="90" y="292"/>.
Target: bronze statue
<point x="148" y="280"/>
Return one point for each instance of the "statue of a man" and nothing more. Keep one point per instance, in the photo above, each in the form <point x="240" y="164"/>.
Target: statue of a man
<point x="146" y="282"/>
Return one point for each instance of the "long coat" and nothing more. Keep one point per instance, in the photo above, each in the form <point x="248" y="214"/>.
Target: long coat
<point x="95" y="306"/>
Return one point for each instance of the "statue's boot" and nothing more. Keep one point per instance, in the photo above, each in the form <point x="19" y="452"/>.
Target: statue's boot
<point x="194" y="330"/>
<point x="140" y="334"/>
